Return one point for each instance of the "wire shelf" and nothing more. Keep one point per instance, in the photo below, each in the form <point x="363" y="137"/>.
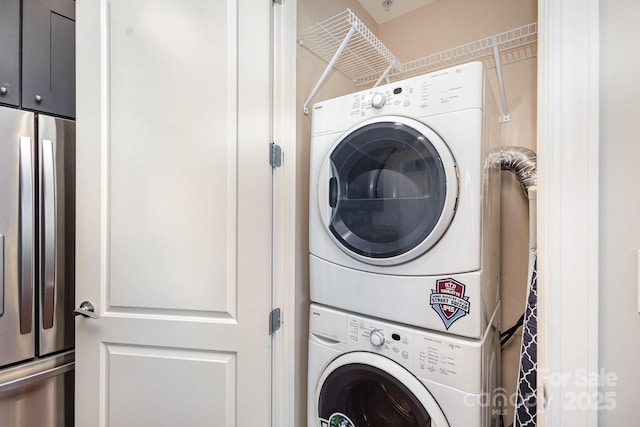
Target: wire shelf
<point x="363" y="55"/>
<point x="346" y="44"/>
<point x="513" y="45"/>
<point x="365" y="58"/>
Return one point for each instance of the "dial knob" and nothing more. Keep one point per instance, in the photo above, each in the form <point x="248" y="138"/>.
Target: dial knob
<point x="378" y="100"/>
<point x="376" y="337"/>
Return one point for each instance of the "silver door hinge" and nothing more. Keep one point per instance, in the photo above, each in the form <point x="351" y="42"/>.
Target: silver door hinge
<point x="275" y="155"/>
<point x="274" y="321"/>
<point x="277" y="1"/>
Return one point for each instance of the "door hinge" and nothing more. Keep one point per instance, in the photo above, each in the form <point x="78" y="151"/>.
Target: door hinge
<point x="277" y="1"/>
<point x="275" y="155"/>
<point x="274" y="321"/>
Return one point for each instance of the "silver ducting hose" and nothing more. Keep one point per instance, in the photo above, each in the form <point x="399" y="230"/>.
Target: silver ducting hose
<point x="522" y="162"/>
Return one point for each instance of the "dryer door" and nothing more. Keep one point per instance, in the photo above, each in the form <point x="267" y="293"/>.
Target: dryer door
<point x="367" y="390"/>
<point x="388" y="190"/>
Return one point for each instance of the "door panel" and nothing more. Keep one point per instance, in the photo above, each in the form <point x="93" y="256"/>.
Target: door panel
<point x="191" y="380"/>
<point x="57" y="237"/>
<point x="17" y="236"/>
<point x="48" y="56"/>
<point x="173" y="217"/>
<point x="10" y="52"/>
<point x="171" y="192"/>
<point x="63" y="76"/>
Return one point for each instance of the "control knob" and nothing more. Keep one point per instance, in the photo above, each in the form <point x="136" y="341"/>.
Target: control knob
<point x="378" y="100"/>
<point x="376" y="337"/>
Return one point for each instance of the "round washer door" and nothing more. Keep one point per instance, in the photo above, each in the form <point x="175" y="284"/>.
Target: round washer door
<point x="388" y="189"/>
<point x="367" y="390"/>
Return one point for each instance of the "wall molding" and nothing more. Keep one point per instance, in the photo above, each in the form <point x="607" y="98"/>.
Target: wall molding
<point x="568" y="180"/>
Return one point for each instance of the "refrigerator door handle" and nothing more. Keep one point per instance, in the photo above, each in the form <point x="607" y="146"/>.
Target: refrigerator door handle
<point x="49" y="234"/>
<point x="26" y="235"/>
<point x="37" y="377"/>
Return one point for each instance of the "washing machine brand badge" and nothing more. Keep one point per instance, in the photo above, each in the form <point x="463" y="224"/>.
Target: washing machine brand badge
<point x="449" y="301"/>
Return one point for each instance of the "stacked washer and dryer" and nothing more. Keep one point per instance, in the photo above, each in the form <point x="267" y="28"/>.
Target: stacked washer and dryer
<point x="404" y="254"/>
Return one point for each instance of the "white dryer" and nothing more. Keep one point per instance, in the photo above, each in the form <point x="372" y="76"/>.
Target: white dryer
<point x="369" y="373"/>
<point x="405" y="204"/>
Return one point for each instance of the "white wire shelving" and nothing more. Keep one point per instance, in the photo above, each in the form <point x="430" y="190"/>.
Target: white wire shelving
<point x="346" y="44"/>
<point x="513" y="45"/>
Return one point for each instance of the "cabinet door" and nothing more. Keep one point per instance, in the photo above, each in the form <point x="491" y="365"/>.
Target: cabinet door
<point x="10" y="52"/>
<point x="48" y="56"/>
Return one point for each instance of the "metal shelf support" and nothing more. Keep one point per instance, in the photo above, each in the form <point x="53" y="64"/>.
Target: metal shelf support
<point x="496" y="54"/>
<point x="346" y="44"/>
<point x="342" y="46"/>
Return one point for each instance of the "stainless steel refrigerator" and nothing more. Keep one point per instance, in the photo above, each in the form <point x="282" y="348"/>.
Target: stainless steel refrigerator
<point x="37" y="222"/>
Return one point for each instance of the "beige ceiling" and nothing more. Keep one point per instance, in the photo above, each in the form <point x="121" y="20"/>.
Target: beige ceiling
<point x="378" y="12"/>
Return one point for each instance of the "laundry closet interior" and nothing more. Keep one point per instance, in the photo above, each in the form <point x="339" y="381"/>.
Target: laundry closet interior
<point x="433" y="27"/>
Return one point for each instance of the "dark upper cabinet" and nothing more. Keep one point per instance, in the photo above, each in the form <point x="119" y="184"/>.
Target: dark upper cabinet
<point x="10" y="52"/>
<point x="48" y="56"/>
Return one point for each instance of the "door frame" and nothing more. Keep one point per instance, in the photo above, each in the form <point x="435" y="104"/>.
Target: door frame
<point x="285" y="391"/>
<point x="568" y="204"/>
<point x="567" y="144"/>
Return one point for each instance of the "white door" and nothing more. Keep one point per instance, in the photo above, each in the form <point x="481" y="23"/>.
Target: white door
<point x="173" y="213"/>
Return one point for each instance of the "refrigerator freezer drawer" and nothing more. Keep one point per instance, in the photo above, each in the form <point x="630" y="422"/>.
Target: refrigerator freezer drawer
<point x="43" y="396"/>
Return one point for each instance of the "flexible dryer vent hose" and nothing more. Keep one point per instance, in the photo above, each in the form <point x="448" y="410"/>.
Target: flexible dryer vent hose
<point x="522" y="162"/>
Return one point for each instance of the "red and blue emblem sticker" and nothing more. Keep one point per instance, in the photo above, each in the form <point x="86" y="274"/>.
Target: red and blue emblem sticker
<point x="449" y="301"/>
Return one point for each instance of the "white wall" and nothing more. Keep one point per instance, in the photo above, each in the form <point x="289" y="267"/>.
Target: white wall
<point x="619" y="332"/>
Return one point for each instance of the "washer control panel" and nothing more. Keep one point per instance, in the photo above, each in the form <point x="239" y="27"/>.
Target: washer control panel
<point x="366" y="334"/>
<point x="438" y="357"/>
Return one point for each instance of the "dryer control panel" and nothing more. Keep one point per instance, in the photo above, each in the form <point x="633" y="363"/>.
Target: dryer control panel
<point x="437" y="357"/>
<point x="452" y="89"/>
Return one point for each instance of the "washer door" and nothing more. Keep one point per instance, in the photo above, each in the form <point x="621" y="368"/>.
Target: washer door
<point x="388" y="190"/>
<point x="367" y="390"/>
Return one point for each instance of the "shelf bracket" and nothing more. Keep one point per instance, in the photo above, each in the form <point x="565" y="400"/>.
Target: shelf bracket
<point x="329" y="67"/>
<point x="385" y="75"/>
<point x="496" y="53"/>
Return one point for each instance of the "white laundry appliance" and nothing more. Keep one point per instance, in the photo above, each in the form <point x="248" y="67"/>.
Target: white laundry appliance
<point x="404" y="212"/>
<point x="365" y="372"/>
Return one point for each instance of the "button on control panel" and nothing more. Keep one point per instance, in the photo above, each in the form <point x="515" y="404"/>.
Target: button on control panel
<point x="378" y="100"/>
<point x="377" y="338"/>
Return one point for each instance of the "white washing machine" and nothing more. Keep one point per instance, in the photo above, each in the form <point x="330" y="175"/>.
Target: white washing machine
<point x="369" y="373"/>
<point x="404" y="213"/>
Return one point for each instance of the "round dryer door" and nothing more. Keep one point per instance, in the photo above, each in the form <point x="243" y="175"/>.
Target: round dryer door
<point x="367" y="390"/>
<point x="388" y="190"/>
